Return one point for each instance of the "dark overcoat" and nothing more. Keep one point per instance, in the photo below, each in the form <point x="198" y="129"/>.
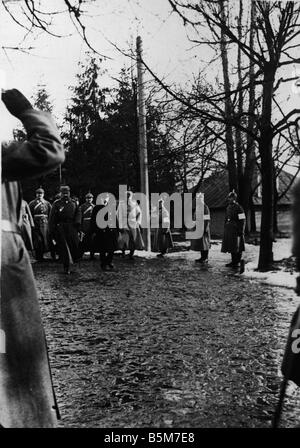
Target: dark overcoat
<point x="64" y="223"/>
<point x="161" y="237"/>
<point x="40" y="210"/>
<point x="103" y="240"/>
<point x="234" y="228"/>
<point x="86" y="210"/>
<point x="26" y="394"/>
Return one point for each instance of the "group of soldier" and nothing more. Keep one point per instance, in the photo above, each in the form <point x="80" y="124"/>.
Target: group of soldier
<point x="27" y="396"/>
<point x="68" y="230"/>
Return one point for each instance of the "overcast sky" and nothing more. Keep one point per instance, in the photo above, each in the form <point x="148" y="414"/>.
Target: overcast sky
<point x="53" y="61"/>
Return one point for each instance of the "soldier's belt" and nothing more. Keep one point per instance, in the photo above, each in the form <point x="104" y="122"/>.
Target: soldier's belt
<point x="87" y="219"/>
<point x="7" y="226"/>
<point x="40" y="216"/>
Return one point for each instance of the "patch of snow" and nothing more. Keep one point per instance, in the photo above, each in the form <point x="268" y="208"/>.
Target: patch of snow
<point x="275" y="278"/>
<point x="281" y="249"/>
<point x="145" y="254"/>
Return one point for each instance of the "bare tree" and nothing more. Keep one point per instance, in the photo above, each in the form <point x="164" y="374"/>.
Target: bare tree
<point x="276" y="33"/>
<point x="264" y="42"/>
<point x="35" y="16"/>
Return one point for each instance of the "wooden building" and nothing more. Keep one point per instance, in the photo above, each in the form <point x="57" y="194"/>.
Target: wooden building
<point x="216" y="189"/>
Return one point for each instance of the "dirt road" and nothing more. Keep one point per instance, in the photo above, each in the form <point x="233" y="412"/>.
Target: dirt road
<point x="164" y="343"/>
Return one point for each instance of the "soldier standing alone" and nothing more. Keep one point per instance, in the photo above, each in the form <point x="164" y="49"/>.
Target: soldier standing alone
<point x="234" y="228"/>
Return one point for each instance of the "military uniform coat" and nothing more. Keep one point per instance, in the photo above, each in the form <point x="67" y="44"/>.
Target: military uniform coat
<point x="129" y="222"/>
<point x="64" y="223"/>
<point x="86" y="211"/>
<point x="27" y="225"/>
<point x="26" y="393"/>
<point x="103" y="240"/>
<point x="203" y="243"/>
<point x="161" y="237"/>
<point x="234" y="228"/>
<point x="40" y="210"/>
<point x="86" y="214"/>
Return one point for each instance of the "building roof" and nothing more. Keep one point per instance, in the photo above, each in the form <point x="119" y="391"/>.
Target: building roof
<point x="216" y="189"/>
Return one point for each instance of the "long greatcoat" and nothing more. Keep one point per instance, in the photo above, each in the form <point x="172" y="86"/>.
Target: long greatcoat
<point x="86" y="210"/>
<point x="40" y="210"/>
<point x="161" y="237"/>
<point x="64" y="223"/>
<point x="203" y="243"/>
<point x="103" y="240"/>
<point x="234" y="228"/>
<point x="26" y="393"/>
<point x="27" y="225"/>
<point x="129" y="221"/>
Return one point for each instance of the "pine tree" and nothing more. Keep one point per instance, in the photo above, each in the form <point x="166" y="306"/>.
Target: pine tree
<point x="41" y="99"/>
<point x="101" y="137"/>
<point x="82" y="119"/>
<point x="50" y="182"/>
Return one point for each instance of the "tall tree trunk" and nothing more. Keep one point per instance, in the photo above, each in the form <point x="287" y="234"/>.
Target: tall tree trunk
<point x="275" y="220"/>
<point x="228" y="108"/>
<point x="275" y="217"/>
<point x="252" y="216"/>
<point x="245" y="193"/>
<point x="265" y="150"/>
<point x="238" y="133"/>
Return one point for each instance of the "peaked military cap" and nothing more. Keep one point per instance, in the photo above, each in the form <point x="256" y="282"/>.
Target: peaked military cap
<point x="89" y="195"/>
<point x="64" y="188"/>
<point x="39" y="190"/>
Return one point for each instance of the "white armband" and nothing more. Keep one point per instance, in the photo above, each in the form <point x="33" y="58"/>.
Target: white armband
<point x="166" y="220"/>
<point x="241" y="216"/>
<point x="206" y="217"/>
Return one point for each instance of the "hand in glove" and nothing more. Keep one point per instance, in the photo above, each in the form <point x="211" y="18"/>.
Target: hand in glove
<point x="15" y="102"/>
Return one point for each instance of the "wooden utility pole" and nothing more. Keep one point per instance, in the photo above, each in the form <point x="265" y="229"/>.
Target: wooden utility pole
<point x="144" y="177"/>
<point x="60" y="175"/>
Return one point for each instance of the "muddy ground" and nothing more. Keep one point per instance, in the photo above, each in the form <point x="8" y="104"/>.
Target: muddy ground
<point x="165" y="343"/>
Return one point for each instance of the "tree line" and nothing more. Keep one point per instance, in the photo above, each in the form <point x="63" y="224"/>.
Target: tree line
<point x="236" y="119"/>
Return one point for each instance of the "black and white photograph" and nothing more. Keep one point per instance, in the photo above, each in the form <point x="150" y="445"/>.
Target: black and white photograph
<point x="150" y="229"/>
